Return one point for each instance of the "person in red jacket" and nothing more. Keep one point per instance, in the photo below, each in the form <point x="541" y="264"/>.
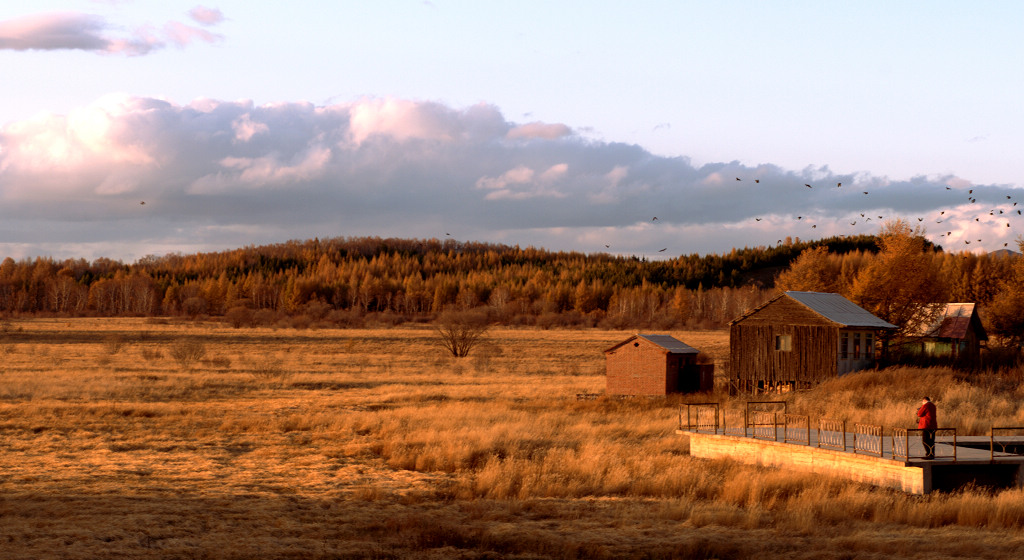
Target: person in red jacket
<point x="926" y="421"/>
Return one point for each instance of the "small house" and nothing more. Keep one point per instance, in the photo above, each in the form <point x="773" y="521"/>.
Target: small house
<point x="655" y="364"/>
<point x="799" y="339"/>
<point x="950" y="331"/>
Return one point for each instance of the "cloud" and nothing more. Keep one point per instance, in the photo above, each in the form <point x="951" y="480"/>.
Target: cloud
<point x="88" y="32"/>
<point x="206" y="16"/>
<point x="539" y="130"/>
<point x="220" y="174"/>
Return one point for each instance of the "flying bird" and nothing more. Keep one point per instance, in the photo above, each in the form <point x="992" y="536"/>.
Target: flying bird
<point x="865" y="192"/>
<point x="947" y="188"/>
<point x="839" y="184"/>
<point x="738" y="179"/>
<point x="142" y="202"/>
<point x="808" y="186"/>
<point x="757" y="180"/>
<point x="799" y="217"/>
<point x="920" y="219"/>
<point x="663" y="250"/>
<point x="654" y="219"/>
<point x="757" y="219"/>
<point x="970" y="191"/>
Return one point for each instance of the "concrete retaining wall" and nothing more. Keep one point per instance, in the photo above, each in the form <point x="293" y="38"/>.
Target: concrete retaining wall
<point x="862" y="468"/>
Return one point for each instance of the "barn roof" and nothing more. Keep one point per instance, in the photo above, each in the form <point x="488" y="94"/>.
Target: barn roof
<point x="838" y="309"/>
<point x="671" y="344"/>
<point x="953" y="320"/>
<point x="832" y="307"/>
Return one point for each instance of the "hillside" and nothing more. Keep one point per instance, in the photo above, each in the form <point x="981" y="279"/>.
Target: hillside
<point x="342" y="281"/>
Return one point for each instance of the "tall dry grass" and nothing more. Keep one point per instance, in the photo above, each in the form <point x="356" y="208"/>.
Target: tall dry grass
<point x="374" y="444"/>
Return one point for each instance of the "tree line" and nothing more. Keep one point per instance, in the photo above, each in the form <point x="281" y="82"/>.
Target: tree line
<point x="347" y="280"/>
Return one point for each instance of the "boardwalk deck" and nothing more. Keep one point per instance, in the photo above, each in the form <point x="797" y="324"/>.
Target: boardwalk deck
<point x="970" y="461"/>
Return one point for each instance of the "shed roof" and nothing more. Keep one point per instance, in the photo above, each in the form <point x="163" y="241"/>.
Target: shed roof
<point x="832" y="307"/>
<point x="838" y="309"/>
<point x="671" y="344"/>
<point x="953" y="320"/>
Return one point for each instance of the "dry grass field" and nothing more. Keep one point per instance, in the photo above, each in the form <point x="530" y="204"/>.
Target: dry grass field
<point x="135" y="438"/>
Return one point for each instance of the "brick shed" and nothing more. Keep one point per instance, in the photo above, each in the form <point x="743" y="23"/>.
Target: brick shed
<point x="655" y="364"/>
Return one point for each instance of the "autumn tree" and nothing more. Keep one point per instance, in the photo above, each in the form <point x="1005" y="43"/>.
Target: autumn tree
<point x="812" y="271"/>
<point x="900" y="281"/>
<point x="1006" y="312"/>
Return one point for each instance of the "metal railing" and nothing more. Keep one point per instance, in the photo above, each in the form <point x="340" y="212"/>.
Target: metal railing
<point x="700" y="417"/>
<point x="737" y="427"/>
<point x="1003" y="444"/>
<point x="764" y="406"/>
<point x="909" y="443"/>
<point x="832" y="434"/>
<point x="765" y="424"/>
<point x="906" y="443"/>
<point x="867" y="438"/>
<point x="797" y="428"/>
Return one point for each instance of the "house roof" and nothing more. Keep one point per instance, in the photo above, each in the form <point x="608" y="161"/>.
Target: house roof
<point x="832" y="307"/>
<point x="838" y="309"/>
<point x="671" y="344"/>
<point x="953" y="320"/>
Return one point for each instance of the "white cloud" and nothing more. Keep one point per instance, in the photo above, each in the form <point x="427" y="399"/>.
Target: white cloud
<point x="206" y="16"/>
<point x="245" y="128"/>
<point x="214" y="172"/>
<point x="89" y="32"/>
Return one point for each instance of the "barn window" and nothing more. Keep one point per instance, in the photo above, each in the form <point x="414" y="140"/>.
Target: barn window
<point x="869" y="346"/>
<point x="784" y="342"/>
<point x="844" y="346"/>
<point x="856" y="346"/>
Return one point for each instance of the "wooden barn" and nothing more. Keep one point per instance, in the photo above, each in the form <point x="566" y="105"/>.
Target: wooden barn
<point x="655" y="364"/>
<point x="952" y="331"/>
<point x="799" y="339"/>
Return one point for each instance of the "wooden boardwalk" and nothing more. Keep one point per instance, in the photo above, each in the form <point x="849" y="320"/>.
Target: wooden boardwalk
<point x="870" y="459"/>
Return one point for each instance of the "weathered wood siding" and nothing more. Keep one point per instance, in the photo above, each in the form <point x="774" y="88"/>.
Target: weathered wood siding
<point x="754" y="358"/>
<point x="811" y="359"/>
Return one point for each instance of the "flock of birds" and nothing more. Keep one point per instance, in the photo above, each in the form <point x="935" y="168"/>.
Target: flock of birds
<point x="1002" y="212"/>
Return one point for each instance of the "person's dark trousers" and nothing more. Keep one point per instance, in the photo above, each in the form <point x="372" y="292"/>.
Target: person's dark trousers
<point x="928" y="439"/>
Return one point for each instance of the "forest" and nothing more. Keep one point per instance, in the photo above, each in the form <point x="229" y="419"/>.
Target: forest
<point x="356" y="281"/>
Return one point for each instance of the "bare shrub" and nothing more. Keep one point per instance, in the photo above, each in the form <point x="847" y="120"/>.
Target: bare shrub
<point x="195" y="306"/>
<point x="460" y="331"/>
<point x="187" y="352"/>
<point x="239" y="317"/>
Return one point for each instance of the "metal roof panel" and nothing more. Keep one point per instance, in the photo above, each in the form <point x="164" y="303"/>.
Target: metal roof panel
<point x="838" y="309"/>
<point x="670" y="343"/>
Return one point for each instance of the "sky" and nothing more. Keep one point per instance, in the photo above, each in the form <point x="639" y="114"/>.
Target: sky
<point x="648" y="128"/>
